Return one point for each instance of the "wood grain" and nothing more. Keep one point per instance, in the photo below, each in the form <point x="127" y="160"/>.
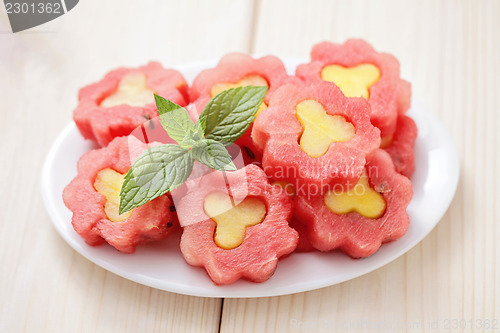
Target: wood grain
<point x="450" y="51"/>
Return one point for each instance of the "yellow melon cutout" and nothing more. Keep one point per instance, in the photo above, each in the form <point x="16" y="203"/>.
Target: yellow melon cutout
<point x="321" y="129"/>
<point x="250" y="80"/>
<point x="109" y="183"/>
<point x="132" y="90"/>
<point x="353" y="81"/>
<point x="362" y="199"/>
<point x="232" y="220"/>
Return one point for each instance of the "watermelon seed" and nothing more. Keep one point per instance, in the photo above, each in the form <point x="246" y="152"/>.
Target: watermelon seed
<point x="249" y="152"/>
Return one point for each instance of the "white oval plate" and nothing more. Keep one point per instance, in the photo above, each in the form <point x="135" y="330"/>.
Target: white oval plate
<point x="162" y="266"/>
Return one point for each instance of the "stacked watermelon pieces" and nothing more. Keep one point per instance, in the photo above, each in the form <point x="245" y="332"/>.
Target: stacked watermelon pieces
<point x="329" y="156"/>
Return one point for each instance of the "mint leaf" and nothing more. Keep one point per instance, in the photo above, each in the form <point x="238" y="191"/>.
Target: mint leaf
<point x="195" y="134"/>
<point x="157" y="171"/>
<point x="174" y="119"/>
<point x="228" y="115"/>
<point x="213" y="154"/>
<point x="199" y="127"/>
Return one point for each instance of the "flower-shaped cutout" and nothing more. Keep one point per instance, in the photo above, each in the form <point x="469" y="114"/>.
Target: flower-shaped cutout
<point x="278" y="132"/>
<point x="357" y="235"/>
<point x="235" y="70"/>
<point x="353" y="81"/>
<point x="256" y="257"/>
<point x="123" y="100"/>
<point x="92" y="196"/>
<point x="345" y="64"/>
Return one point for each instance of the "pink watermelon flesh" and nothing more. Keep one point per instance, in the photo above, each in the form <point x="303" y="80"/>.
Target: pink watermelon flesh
<point x="250" y="152"/>
<point x="304" y="245"/>
<point x="277" y="132"/>
<point x="256" y="258"/>
<point x="152" y="131"/>
<point x="352" y="233"/>
<point x="389" y="96"/>
<point x="232" y="68"/>
<point x="153" y="221"/>
<point x="103" y="124"/>
<point x="401" y="147"/>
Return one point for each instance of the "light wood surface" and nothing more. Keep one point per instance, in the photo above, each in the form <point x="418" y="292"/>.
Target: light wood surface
<point x="450" y="51"/>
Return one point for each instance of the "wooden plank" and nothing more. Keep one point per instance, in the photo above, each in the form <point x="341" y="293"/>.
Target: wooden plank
<point x="449" y="50"/>
<point x="45" y="285"/>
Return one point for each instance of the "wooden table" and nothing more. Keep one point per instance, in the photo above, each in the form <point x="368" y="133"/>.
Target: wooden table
<point x="450" y="50"/>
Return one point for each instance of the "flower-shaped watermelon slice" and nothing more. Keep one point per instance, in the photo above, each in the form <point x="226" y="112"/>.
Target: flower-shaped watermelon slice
<point x="93" y="197"/>
<point x="359" y="221"/>
<point x="245" y="238"/>
<point x="359" y="70"/>
<point x="235" y="70"/>
<point x="314" y="137"/>
<point x="124" y="99"/>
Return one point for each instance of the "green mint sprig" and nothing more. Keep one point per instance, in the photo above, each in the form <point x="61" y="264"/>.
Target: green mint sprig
<point x="161" y="169"/>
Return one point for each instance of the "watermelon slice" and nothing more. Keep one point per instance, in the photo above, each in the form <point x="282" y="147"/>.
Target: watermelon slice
<point x="357" y="235"/>
<point x="279" y="132"/>
<point x="153" y="221"/>
<point x="256" y="257"/>
<point x="123" y="100"/>
<point x="401" y="147"/>
<point x="388" y="96"/>
<point x="238" y="69"/>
